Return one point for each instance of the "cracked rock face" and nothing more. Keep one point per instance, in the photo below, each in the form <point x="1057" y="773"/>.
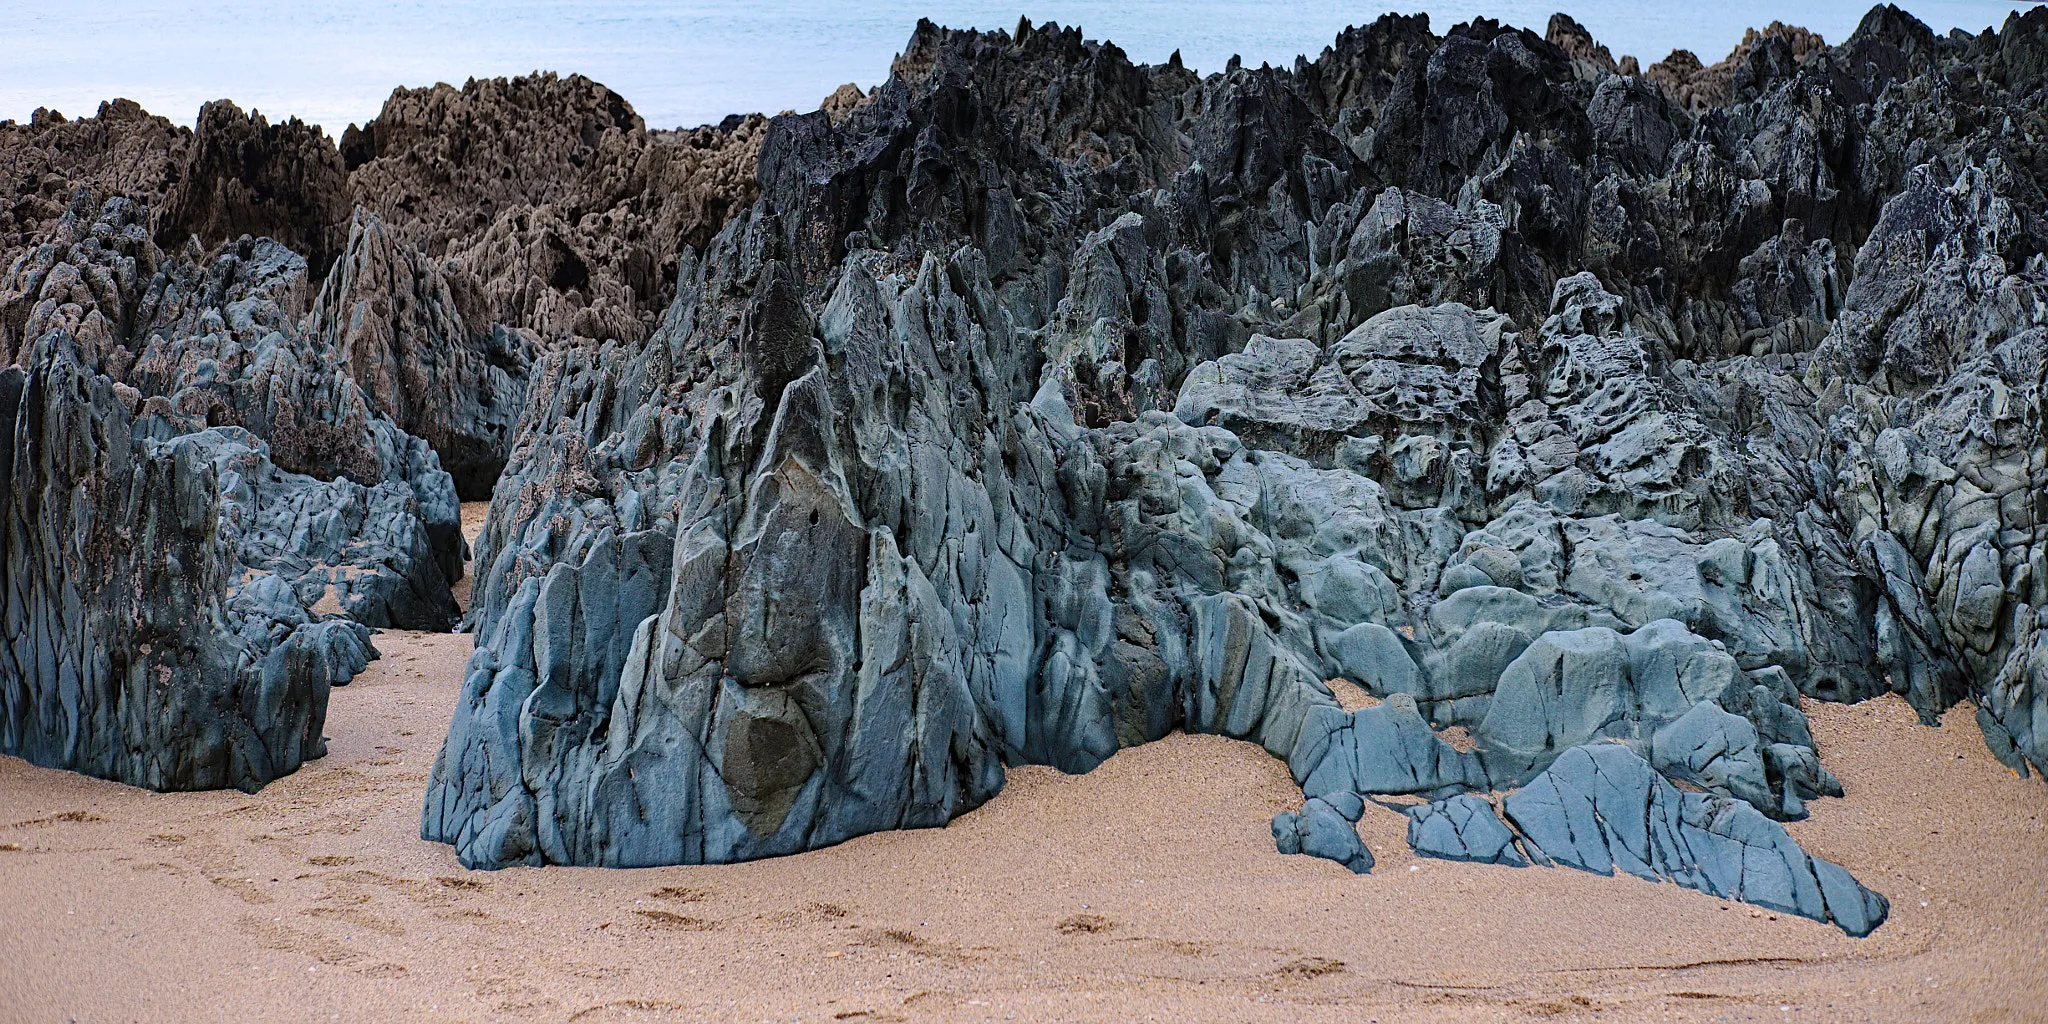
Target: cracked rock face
<point x="336" y="380"/>
<point x="151" y="643"/>
<point x="1045" y="403"/>
<point x="1600" y="808"/>
<point x="1036" y="404"/>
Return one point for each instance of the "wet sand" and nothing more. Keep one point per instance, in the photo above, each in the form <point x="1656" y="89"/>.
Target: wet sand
<point x="1146" y="890"/>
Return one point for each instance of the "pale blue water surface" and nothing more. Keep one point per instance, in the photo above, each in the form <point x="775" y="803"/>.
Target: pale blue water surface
<point x="688" y="63"/>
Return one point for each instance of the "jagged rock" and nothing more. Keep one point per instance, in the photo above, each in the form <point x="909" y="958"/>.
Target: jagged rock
<point x="552" y="195"/>
<point x="1939" y="371"/>
<point x="246" y="176"/>
<point x="222" y="341"/>
<point x="148" y="650"/>
<point x="323" y="404"/>
<point x="1702" y="88"/>
<point x="362" y="552"/>
<point x="121" y="151"/>
<point x="1574" y="686"/>
<point x="422" y="355"/>
<point x="905" y="428"/>
<point x="1036" y="403"/>
<point x="1577" y="43"/>
<point x="1383" y="749"/>
<point x="1600" y="807"/>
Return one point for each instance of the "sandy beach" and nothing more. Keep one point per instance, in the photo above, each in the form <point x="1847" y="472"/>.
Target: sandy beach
<point x="1146" y="890"/>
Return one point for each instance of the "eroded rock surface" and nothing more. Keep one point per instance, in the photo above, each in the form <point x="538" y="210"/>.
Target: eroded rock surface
<point x="1045" y="403"/>
<point x="344" y="379"/>
<point x="147" y="641"/>
<point x="550" y="192"/>
<point x="1035" y="404"/>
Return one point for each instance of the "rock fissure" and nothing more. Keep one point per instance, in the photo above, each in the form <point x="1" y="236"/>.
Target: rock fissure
<point x="1038" y="403"/>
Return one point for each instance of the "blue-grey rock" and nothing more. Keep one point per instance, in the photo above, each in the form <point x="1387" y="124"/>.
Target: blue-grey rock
<point x="1000" y="431"/>
<point x="1460" y="576"/>
<point x="1349" y="805"/>
<point x="147" y="648"/>
<point x="1320" y="830"/>
<point x="1715" y="749"/>
<point x="1462" y="828"/>
<point x="1601" y="807"/>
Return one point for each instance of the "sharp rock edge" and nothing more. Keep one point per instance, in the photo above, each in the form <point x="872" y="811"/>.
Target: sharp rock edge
<point x="1037" y="403"/>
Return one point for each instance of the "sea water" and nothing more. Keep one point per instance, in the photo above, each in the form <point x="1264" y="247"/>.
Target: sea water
<point x="687" y="63"/>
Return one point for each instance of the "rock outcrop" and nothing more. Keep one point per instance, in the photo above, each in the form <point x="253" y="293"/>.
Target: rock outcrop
<point x="411" y="334"/>
<point x="246" y="176"/>
<point x="1035" y="404"/>
<point x="151" y="637"/>
<point x="1599" y="808"/>
<point x="308" y="388"/>
<point x="206" y="513"/>
<point x="552" y="194"/>
<point x="1045" y="403"/>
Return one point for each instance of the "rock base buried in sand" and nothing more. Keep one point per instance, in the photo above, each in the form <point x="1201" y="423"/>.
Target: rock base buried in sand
<point x="1600" y="807"/>
<point x="1036" y="404"/>
<point x="999" y="431"/>
<point x="1323" y="828"/>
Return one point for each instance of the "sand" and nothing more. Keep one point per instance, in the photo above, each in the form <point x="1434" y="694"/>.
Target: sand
<point x="473" y="515"/>
<point x="1146" y="890"/>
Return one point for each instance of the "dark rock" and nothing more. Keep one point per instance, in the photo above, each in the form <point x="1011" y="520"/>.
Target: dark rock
<point x="246" y="176"/>
<point x="906" y="424"/>
<point x="150" y="651"/>
<point x="553" y="196"/>
<point x="400" y="328"/>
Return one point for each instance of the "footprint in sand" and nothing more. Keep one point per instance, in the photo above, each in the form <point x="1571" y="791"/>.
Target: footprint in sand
<point x="918" y="945"/>
<point x="1309" y="967"/>
<point x="273" y="935"/>
<point x="417" y="890"/>
<point x="1084" y="924"/>
<point x="813" y="912"/>
<point x="246" y="888"/>
<point x="358" y="917"/>
<point x="1181" y="946"/>
<point x="329" y="860"/>
<point x="621" y="1010"/>
<point x="676" y="922"/>
<point x="680" y="893"/>
<point x="61" y="818"/>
